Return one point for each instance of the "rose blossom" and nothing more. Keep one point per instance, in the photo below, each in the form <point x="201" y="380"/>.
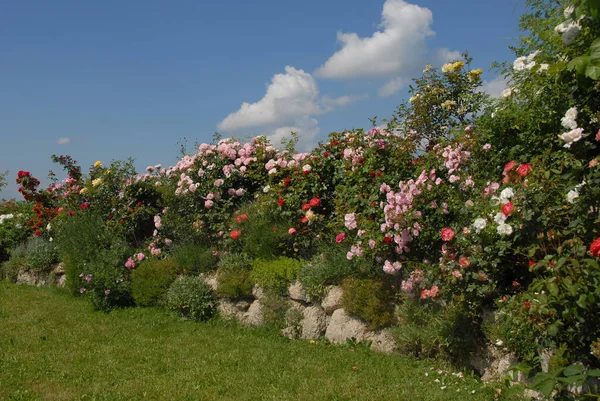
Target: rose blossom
<point x="447" y="234"/>
<point x="595" y="248"/>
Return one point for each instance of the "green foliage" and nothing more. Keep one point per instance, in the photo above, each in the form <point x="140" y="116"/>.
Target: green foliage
<point x="9" y="270"/>
<point x="328" y="268"/>
<point x="194" y="259"/>
<point x="274" y="307"/>
<point x="151" y="280"/>
<point x="40" y="254"/>
<point x="277" y="273"/>
<point x="233" y="283"/>
<point x="191" y="298"/>
<point x="13" y="226"/>
<point x="369" y="299"/>
<point x="434" y="331"/>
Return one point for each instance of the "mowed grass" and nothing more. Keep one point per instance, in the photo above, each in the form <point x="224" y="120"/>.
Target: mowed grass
<point x="55" y="347"/>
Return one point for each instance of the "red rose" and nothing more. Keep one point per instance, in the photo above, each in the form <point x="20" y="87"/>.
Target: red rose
<point x="305" y="207"/>
<point x="387" y="240"/>
<point x="235" y="234"/>
<point x="304" y="220"/>
<point x="37" y="233"/>
<point x="527" y="304"/>
<point x="314" y="202"/>
<point x="335" y="143"/>
<point x="507" y="208"/>
<point x="447" y="234"/>
<point x="532" y="262"/>
<point x="595" y="248"/>
<point x="325" y="154"/>
<point x="305" y="172"/>
<point x="464" y="261"/>
<point x="286" y="182"/>
<point x="509" y="166"/>
<point x="281" y="201"/>
<point x="523" y="169"/>
<point x="84" y="205"/>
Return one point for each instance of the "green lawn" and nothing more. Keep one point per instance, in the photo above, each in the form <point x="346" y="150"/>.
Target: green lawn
<point x="55" y="347"/>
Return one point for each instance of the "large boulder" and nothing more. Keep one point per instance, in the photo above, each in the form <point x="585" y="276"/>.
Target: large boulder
<point x="333" y="299"/>
<point x="254" y="315"/>
<point x="492" y="362"/>
<point x="297" y="293"/>
<point x="382" y="342"/>
<point x="343" y="327"/>
<point x="314" y="323"/>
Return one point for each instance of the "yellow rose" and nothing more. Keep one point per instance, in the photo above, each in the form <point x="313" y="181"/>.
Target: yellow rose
<point x="83" y="191"/>
<point x="97" y="164"/>
<point x="96" y="182"/>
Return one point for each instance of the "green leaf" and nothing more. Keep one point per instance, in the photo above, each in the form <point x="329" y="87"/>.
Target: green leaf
<point x="595" y="49"/>
<point x="557" y="67"/>
<point x="594" y="372"/>
<point x="545" y="387"/>
<point x="593" y="70"/>
<point x="553" y="289"/>
<point x="579" y="64"/>
<point x="573" y="370"/>
<point x="582" y="301"/>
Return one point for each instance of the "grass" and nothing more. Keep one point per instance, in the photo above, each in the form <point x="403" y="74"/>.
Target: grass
<point x="55" y="347"/>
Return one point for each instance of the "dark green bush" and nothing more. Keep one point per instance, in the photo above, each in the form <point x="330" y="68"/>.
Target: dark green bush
<point x="191" y="298"/>
<point x="369" y="299"/>
<point x="40" y="254"/>
<point x="151" y="280"/>
<point x="276" y="274"/>
<point x="274" y="307"/>
<point x="434" y="331"/>
<point x="194" y="259"/>
<point x="9" y="270"/>
<point x="326" y="268"/>
<point x="233" y="283"/>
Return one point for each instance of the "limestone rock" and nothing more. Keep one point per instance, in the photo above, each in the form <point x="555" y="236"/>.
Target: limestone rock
<point x="228" y="310"/>
<point x="314" y="323"/>
<point x="211" y="280"/>
<point x="26" y="277"/>
<point x="492" y="363"/>
<point x="383" y="342"/>
<point x="258" y="292"/>
<point x="333" y="299"/>
<point x="297" y="293"/>
<point x="242" y="305"/>
<point x="343" y="327"/>
<point x="254" y="315"/>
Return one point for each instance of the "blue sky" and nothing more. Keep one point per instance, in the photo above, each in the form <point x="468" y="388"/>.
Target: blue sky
<point x="116" y="79"/>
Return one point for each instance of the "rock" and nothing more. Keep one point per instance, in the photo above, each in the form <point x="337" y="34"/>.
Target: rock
<point x="60" y="268"/>
<point x="343" y="327"/>
<point x="383" y="342"/>
<point x="333" y="299"/>
<point x="314" y="323"/>
<point x="258" y="292"/>
<point x="254" y="315"/>
<point x="297" y="305"/>
<point x="26" y="277"/>
<point x="297" y="293"/>
<point x="228" y="310"/>
<point x="545" y="356"/>
<point x="492" y="363"/>
<point x="211" y="280"/>
<point x="61" y="280"/>
<point x="533" y="395"/>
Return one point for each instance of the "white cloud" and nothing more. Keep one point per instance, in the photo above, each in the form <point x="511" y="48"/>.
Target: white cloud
<point x="330" y="104"/>
<point x="392" y="87"/>
<point x="63" y="141"/>
<point x="288" y="96"/>
<point x="307" y="129"/>
<point x="445" y="55"/>
<point x="398" y="46"/>
<point x="495" y="87"/>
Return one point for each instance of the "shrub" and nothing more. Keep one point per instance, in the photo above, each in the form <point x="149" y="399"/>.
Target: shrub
<point x="194" y="259"/>
<point x="276" y="274"/>
<point x="233" y="283"/>
<point x="9" y="270"/>
<point x="429" y="330"/>
<point x="274" y="308"/>
<point x="40" y="254"/>
<point x="368" y="299"/>
<point x="191" y="298"/>
<point x="151" y="280"/>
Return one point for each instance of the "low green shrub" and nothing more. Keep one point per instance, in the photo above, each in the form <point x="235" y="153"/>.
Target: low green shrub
<point x="40" y="254"/>
<point x="9" y="270"/>
<point x="429" y="330"/>
<point x="274" y="308"/>
<point x="191" y="298"/>
<point x="369" y="299"/>
<point x="233" y="276"/>
<point x="276" y="274"/>
<point x="194" y="259"/>
<point x="324" y="269"/>
<point x="151" y="280"/>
